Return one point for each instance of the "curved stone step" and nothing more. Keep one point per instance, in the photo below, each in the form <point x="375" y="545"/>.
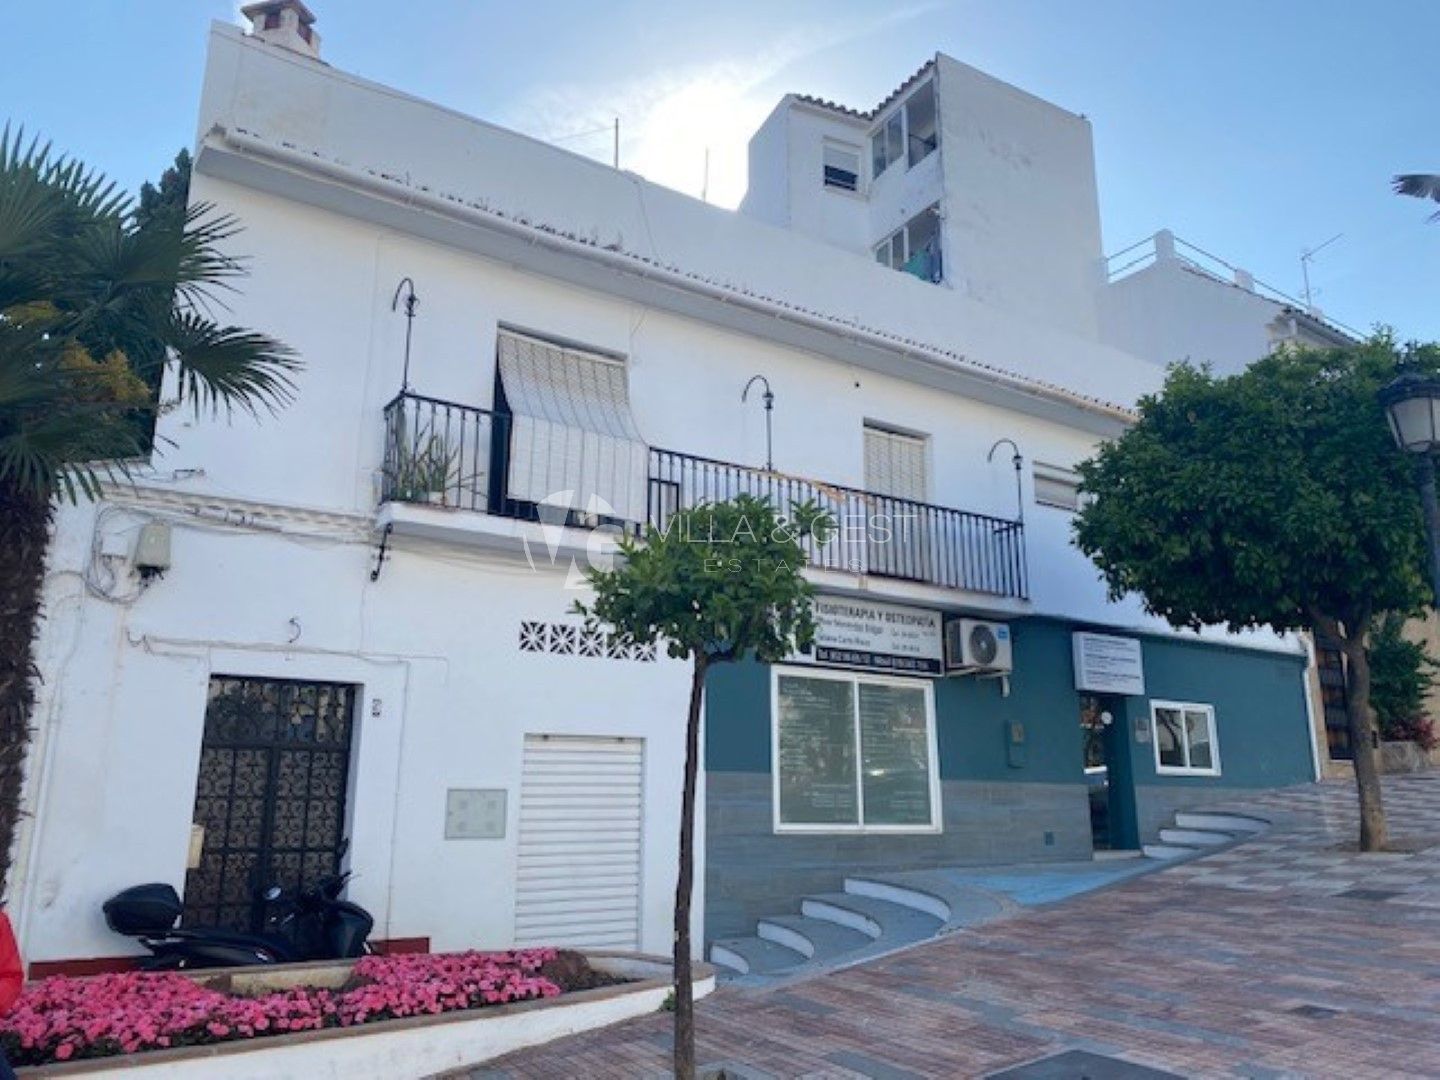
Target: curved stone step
<point x="1220" y="822"/>
<point x="935" y="892"/>
<point x="752" y="956"/>
<point x="814" y="939"/>
<point x="887" y="923"/>
<point x="1167" y="851"/>
<point x="1194" y="837"/>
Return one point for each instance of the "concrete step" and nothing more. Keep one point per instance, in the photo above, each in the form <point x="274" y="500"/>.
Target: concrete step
<point x="814" y="939"/>
<point x="752" y="956"/>
<point x="889" y="924"/>
<point x="1220" y="822"/>
<point x="1194" y="837"/>
<point x="908" y="895"/>
<point x="1168" y="851"/>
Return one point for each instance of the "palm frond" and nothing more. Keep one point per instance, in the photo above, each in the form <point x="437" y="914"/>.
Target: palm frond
<point x="228" y="367"/>
<point x="1419" y="186"/>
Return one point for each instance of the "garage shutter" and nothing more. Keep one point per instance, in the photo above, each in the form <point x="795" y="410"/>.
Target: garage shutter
<point x="578" y="879"/>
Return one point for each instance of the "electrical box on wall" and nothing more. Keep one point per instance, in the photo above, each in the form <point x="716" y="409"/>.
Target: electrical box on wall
<point x="1015" y="744"/>
<point x="152" y="549"/>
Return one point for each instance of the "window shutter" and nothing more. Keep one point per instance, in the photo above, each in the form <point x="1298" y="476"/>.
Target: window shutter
<point x="895" y="464"/>
<point x="1056" y="487"/>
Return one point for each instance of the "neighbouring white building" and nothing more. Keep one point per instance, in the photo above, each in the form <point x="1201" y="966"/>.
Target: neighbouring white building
<point x="352" y="619"/>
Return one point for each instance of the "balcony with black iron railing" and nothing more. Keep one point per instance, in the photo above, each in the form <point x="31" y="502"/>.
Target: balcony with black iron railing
<point x="440" y="453"/>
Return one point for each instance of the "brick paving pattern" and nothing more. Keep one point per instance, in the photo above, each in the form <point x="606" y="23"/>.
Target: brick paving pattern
<point x="1288" y="955"/>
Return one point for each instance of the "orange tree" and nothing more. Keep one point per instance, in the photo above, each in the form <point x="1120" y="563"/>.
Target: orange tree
<point x="720" y="582"/>
<point x="1275" y="498"/>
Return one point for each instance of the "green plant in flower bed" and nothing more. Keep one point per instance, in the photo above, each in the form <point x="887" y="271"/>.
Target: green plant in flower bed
<point x="63" y="1019"/>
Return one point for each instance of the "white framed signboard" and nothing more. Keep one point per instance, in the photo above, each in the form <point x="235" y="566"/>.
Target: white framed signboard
<point x="1105" y="664"/>
<point x="872" y="636"/>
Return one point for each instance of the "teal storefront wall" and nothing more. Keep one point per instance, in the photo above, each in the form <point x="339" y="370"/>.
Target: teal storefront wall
<point x="1002" y="800"/>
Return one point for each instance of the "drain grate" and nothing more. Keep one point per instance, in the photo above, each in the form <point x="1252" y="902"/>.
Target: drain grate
<point x="1082" y="1065"/>
<point x="1316" y="1012"/>
<point x="1369" y="894"/>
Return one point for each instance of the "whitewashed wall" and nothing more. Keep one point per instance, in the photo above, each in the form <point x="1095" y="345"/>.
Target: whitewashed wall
<point x="447" y="698"/>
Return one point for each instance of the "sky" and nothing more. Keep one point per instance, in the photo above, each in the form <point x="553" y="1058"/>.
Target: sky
<point x="1253" y="129"/>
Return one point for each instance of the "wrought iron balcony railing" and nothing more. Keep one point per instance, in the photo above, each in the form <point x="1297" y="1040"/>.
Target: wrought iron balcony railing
<point x="445" y="454"/>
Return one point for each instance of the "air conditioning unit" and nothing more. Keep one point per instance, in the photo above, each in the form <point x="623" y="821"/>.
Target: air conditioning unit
<point x="976" y="646"/>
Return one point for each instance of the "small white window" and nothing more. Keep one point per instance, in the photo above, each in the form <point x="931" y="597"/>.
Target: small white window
<point x="895" y="464"/>
<point x="1057" y="487"/>
<point x="842" y="166"/>
<point x="1184" y="737"/>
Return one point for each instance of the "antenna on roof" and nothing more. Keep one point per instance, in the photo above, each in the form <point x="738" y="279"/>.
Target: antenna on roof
<point x="1306" y="257"/>
<point x="617" y="141"/>
<point x="705" y="180"/>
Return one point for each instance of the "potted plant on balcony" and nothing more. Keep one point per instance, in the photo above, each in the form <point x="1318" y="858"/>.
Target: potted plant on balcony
<point x="424" y="472"/>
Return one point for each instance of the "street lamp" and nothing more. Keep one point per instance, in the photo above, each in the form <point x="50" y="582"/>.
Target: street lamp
<point x="1412" y="405"/>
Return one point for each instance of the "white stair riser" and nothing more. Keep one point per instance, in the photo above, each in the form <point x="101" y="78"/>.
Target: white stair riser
<point x="1166" y="851"/>
<point x="818" y="909"/>
<point x="895" y="894"/>
<point x="1231" y="823"/>
<point x="1194" y="837"/>
<point x="785" y="937"/>
<point x="734" y="961"/>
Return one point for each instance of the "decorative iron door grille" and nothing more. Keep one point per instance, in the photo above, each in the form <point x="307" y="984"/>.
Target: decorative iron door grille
<point x="270" y="795"/>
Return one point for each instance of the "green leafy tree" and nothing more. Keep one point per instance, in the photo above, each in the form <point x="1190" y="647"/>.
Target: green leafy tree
<point x="93" y="308"/>
<point x="1275" y="498"/>
<point x="1401" y="674"/>
<point x="722" y="581"/>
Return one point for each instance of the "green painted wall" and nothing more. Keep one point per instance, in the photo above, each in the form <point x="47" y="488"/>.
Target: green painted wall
<point x="1259" y="700"/>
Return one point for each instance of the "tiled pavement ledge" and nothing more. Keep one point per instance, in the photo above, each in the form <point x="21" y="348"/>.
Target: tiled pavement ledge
<point x="1288" y="955"/>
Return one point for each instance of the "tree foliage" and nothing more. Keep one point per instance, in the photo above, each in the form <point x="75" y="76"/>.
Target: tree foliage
<point x="96" y="301"/>
<point x="722" y="581"/>
<point x="1263" y="499"/>
<point x="1402" y="674"/>
<point x="1275" y="497"/>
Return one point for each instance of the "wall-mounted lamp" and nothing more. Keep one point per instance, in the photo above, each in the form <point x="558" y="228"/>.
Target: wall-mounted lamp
<point x="1018" y="461"/>
<point x="769" y="399"/>
<point x="407" y="288"/>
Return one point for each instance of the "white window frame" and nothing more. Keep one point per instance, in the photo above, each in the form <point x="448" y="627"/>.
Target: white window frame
<point x="828" y="143"/>
<point x="901" y="109"/>
<point x="854" y="678"/>
<point x="1183" y="707"/>
<point x="1056" y="474"/>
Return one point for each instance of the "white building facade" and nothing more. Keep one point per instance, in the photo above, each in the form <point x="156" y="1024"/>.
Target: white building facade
<point x="361" y="630"/>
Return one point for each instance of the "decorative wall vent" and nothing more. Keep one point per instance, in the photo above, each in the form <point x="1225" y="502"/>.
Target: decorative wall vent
<point x="571" y="639"/>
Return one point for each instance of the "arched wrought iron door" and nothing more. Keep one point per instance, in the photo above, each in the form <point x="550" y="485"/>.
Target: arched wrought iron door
<point x="270" y="795"/>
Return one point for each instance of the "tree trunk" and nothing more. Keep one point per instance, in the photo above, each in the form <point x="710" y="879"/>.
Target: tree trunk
<point x="685" y="883"/>
<point x="24" y="535"/>
<point x="1362" y="742"/>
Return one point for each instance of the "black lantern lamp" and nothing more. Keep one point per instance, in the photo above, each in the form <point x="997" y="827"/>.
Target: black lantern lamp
<point x="1412" y="405"/>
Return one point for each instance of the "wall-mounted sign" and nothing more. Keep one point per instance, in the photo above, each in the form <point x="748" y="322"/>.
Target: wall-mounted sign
<point x="475" y="813"/>
<point x="876" y="637"/>
<point x="1108" y="665"/>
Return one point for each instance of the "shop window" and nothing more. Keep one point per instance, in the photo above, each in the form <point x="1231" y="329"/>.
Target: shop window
<point x="1184" y="739"/>
<point x="842" y="166"/>
<point x="854" y="753"/>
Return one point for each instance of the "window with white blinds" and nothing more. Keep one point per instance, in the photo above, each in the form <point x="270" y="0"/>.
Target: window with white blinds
<point x="571" y="430"/>
<point x="1057" y="487"/>
<point x="895" y="464"/>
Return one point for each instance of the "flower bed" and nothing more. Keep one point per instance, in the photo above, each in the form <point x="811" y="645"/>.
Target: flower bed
<point x="64" y="1019"/>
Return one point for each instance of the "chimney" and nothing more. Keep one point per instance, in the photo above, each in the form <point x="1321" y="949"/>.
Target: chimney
<point x="287" y="23"/>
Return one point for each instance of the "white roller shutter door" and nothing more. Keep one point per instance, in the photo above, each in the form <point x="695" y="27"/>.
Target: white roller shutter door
<point x="578" y="876"/>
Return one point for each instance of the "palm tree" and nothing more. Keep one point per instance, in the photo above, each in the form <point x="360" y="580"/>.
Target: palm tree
<point x="1421" y="186"/>
<point x="94" y="306"/>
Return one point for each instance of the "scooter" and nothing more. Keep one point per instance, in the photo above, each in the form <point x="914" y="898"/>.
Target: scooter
<point x="305" y="924"/>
